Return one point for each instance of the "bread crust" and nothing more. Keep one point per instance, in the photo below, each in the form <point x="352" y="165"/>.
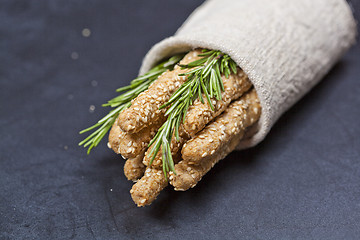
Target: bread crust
<point x="214" y="142"/>
<point x="175" y="147"/>
<point x="134" y="168"/>
<point x="144" y="109"/>
<point x="130" y="145"/>
<point x="145" y="191"/>
<point x="200" y="114"/>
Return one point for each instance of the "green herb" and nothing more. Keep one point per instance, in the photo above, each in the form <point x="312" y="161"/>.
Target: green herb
<point x="123" y="101"/>
<point x="204" y="78"/>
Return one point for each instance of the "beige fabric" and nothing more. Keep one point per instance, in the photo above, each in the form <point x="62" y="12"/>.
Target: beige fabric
<point x="284" y="46"/>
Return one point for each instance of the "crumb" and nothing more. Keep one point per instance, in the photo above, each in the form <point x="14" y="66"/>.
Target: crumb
<point x="74" y="55"/>
<point x="94" y="83"/>
<point x="86" y="32"/>
<point x="91" y="108"/>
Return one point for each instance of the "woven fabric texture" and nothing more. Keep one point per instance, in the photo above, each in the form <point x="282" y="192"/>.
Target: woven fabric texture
<point x="285" y="47"/>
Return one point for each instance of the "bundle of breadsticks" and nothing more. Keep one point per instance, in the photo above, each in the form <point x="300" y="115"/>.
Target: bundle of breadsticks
<point x="279" y="50"/>
<point x="206" y="135"/>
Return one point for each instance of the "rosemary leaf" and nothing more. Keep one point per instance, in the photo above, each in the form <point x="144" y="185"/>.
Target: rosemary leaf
<point x="123" y="101"/>
<point x="203" y="79"/>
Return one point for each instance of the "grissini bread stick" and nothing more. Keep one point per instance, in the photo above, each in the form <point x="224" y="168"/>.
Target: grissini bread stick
<point x="130" y="145"/>
<point x="138" y="85"/>
<point x="149" y="186"/>
<point x="216" y="141"/>
<point x="175" y="146"/>
<point x="283" y="53"/>
<point x="145" y="191"/>
<point x="203" y="82"/>
<point x="144" y="109"/>
<point x="134" y="168"/>
<point x="241" y="114"/>
<point x="200" y="114"/>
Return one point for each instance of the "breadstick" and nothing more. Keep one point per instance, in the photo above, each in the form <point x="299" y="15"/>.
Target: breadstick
<point x="144" y="109"/>
<point x="145" y="191"/>
<point x="134" y="168"/>
<point x="131" y="145"/>
<point x="214" y="142"/>
<point x="175" y="147"/>
<point x="236" y="118"/>
<point x="200" y="114"/>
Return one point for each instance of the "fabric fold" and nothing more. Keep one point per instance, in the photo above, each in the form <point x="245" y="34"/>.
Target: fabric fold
<point x="285" y="47"/>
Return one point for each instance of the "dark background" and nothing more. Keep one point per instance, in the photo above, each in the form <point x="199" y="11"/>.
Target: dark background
<point x="302" y="182"/>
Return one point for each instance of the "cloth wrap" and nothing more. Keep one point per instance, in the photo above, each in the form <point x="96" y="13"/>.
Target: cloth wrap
<point x="285" y="47"/>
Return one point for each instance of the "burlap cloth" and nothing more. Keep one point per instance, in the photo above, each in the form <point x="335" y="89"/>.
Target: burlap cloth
<point x="285" y="47"/>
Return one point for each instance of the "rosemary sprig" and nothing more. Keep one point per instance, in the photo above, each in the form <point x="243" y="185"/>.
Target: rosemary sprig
<point x="123" y="101"/>
<point x="204" y="78"/>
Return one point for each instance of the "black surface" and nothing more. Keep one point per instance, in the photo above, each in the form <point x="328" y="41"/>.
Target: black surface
<point x="302" y="182"/>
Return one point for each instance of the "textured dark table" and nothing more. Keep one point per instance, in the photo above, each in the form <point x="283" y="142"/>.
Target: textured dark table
<point x="302" y="182"/>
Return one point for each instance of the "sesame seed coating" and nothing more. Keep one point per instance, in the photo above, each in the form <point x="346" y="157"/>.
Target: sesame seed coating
<point x="206" y="136"/>
<point x="200" y="114"/>
<point x="144" y="109"/>
<point x="134" y="168"/>
<point x="175" y="147"/>
<point x="226" y="131"/>
<point x="131" y="145"/>
<point x="145" y="191"/>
